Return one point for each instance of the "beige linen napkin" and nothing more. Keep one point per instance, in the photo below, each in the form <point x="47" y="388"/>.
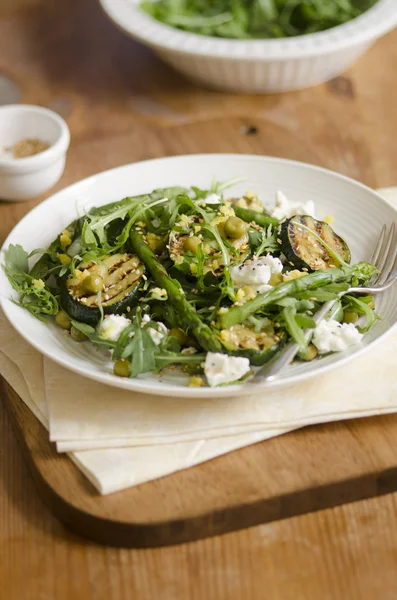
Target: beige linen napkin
<point x="112" y="470"/>
<point x="168" y="434"/>
<point x="92" y="416"/>
<point x="109" y="470"/>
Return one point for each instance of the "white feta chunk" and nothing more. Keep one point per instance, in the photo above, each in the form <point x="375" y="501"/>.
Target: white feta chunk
<point x="212" y="199"/>
<point x="189" y="350"/>
<point x="221" y="368"/>
<point x="112" y="326"/>
<point x="156" y="334"/>
<point x="256" y="272"/>
<point x="284" y="208"/>
<point x="331" y="336"/>
<point x="275" y="264"/>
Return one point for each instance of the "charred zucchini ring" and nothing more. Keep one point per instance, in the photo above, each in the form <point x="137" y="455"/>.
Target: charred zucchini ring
<point x="119" y="277"/>
<point x="304" y="251"/>
<point x="240" y="340"/>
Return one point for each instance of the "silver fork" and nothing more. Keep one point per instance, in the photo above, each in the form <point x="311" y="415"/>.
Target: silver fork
<point x="384" y="258"/>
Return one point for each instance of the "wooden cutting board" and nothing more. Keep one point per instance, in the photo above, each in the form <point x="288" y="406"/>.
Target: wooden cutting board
<point x="303" y="471"/>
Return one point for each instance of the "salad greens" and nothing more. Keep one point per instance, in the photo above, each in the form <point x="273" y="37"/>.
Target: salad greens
<point x="255" y="19"/>
<point x="186" y="278"/>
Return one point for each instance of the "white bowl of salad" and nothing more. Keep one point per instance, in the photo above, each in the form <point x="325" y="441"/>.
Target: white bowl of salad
<point x="255" y="46"/>
<point x="169" y="277"/>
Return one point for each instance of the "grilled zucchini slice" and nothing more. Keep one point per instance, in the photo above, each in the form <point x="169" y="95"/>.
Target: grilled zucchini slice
<point x="183" y="249"/>
<point x="304" y="251"/>
<point x="119" y="277"/>
<point x="240" y="340"/>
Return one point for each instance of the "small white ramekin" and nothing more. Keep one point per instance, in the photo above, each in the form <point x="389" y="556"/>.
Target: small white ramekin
<point x="256" y="66"/>
<point x="26" y="178"/>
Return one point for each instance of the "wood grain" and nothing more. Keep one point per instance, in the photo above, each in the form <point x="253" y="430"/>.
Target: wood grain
<point x="67" y="56"/>
<point x="304" y="471"/>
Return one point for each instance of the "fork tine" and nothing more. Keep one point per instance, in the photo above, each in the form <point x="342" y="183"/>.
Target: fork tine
<point x="378" y="254"/>
<point x="392" y="276"/>
<point x="389" y="257"/>
<point x="378" y="247"/>
<point x="384" y="252"/>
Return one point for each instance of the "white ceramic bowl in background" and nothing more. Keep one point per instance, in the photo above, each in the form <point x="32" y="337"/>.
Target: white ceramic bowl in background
<point x="256" y="66"/>
<point x="26" y="178"/>
<point x="359" y="215"/>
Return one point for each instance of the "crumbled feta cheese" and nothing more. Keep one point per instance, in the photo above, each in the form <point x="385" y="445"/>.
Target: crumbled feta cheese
<point x="112" y="326"/>
<point x="257" y="271"/>
<point x="331" y="336"/>
<point x="275" y="264"/>
<point x="284" y="208"/>
<point x="212" y="199"/>
<point x="189" y="350"/>
<point x="158" y="293"/>
<point x="156" y="335"/>
<point x="221" y="368"/>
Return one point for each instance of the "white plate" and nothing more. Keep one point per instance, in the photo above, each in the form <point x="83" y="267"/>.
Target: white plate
<point x="359" y="215"/>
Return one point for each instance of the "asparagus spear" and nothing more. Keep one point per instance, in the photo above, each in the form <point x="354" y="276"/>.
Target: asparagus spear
<point x="238" y="314"/>
<point x="253" y="216"/>
<point x="205" y="336"/>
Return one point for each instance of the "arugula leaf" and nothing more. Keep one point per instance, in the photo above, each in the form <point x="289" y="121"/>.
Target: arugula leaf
<point x="16" y="260"/>
<point x="34" y="293"/>
<point x="336" y="313"/>
<point x="360" y="306"/>
<point x="324" y="294"/>
<point x="267" y="241"/>
<point x="93" y="336"/>
<point x="294" y="329"/>
<point x="136" y="345"/>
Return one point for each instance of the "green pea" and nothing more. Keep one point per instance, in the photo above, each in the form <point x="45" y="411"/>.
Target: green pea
<point x="63" y="320"/>
<point x="350" y="317"/>
<point x="235" y="228"/>
<point x="92" y="284"/>
<point x="178" y="334"/>
<point x="192" y="244"/>
<point x="77" y="335"/>
<point x="122" y="368"/>
<point x="311" y="353"/>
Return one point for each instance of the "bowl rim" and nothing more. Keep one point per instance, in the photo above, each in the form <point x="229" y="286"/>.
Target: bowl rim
<point x="141" y="385"/>
<point x="41" y="160"/>
<point x="375" y="22"/>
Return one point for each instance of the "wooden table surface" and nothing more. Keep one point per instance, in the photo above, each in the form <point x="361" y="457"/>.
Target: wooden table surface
<point x="67" y="56"/>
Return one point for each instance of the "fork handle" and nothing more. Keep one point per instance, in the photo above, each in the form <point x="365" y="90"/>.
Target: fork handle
<point x="271" y="369"/>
